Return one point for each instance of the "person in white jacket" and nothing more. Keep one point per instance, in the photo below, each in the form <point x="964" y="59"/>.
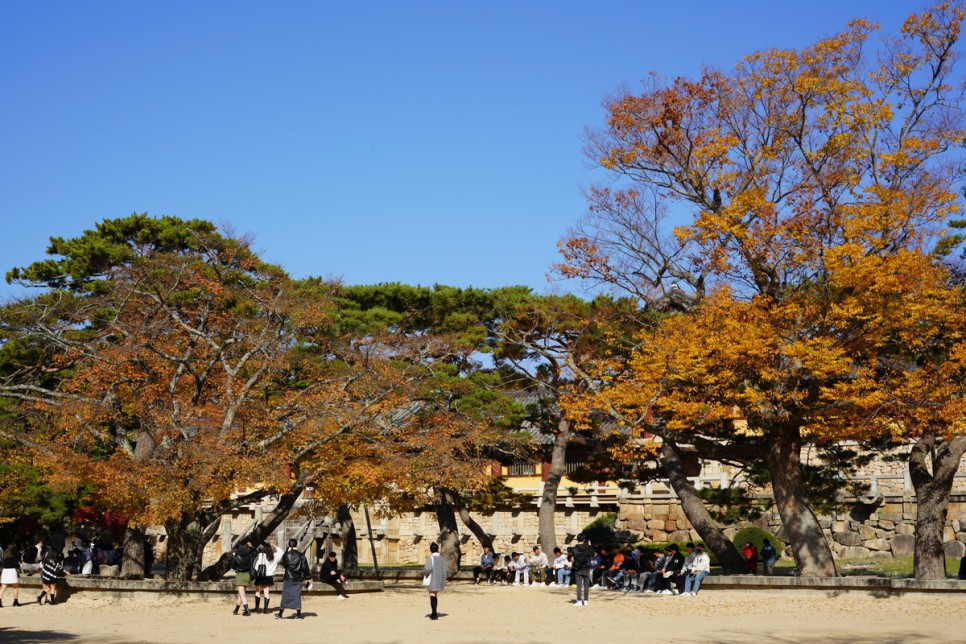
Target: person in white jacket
<point x="521" y="567"/>
<point x="264" y="568"/>
<point x="698" y="569"/>
<point x="561" y="568"/>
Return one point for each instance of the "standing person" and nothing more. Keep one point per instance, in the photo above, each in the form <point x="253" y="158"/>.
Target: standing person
<point x="9" y="576"/>
<point x="51" y="573"/>
<point x="486" y="566"/>
<point x="435" y="568"/>
<point x="330" y="574"/>
<point x="751" y="558"/>
<point x="265" y="564"/>
<point x="296" y="573"/>
<point x="583" y="553"/>
<point x="768" y="557"/>
<point x="242" y="563"/>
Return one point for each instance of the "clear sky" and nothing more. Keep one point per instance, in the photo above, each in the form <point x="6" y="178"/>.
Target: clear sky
<point x="409" y="141"/>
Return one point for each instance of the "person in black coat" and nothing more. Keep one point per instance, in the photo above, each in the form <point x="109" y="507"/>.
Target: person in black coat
<point x="581" y="569"/>
<point x="673" y="564"/>
<point x="330" y="574"/>
<point x="297" y="572"/>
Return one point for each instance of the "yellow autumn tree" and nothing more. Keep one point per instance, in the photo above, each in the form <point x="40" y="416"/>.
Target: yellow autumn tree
<point x="807" y="187"/>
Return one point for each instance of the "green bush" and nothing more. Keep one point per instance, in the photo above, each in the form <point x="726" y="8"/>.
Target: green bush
<point x="601" y="532"/>
<point x="757" y="537"/>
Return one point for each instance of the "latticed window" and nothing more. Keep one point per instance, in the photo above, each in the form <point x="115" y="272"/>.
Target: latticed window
<point x="523" y="469"/>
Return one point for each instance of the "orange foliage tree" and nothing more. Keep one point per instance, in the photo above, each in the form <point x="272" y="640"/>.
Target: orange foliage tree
<point x="807" y="186"/>
<point x="169" y="367"/>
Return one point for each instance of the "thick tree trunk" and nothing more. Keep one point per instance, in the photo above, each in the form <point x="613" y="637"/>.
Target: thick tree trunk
<point x="474" y="527"/>
<point x="449" y="535"/>
<point x="809" y="546"/>
<point x="547" y="535"/>
<point x="132" y="557"/>
<point x="932" y="500"/>
<point x="185" y="541"/>
<point x="259" y="533"/>
<point x="350" y="545"/>
<point x="728" y="556"/>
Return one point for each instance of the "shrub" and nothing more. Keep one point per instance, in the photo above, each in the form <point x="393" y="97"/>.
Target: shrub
<point x="757" y="537"/>
<point x="601" y="532"/>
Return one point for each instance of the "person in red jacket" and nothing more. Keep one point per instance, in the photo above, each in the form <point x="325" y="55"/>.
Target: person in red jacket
<point x="751" y="558"/>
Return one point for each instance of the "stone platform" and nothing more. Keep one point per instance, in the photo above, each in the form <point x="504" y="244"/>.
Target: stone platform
<point x="153" y="590"/>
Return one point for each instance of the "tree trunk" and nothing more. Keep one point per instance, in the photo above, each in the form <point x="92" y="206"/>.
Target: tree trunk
<point x="481" y="535"/>
<point x="449" y="535"/>
<point x="728" y="556"/>
<point x="809" y="546"/>
<point x="132" y="558"/>
<point x="259" y="533"/>
<point x="350" y="545"/>
<point x="547" y="535"/>
<point x="932" y="500"/>
<point x="185" y="540"/>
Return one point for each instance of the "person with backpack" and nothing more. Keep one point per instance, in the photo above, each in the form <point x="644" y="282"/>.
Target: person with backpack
<point x="264" y="573"/>
<point x="297" y="572"/>
<point x="242" y="564"/>
<point x="583" y="553"/>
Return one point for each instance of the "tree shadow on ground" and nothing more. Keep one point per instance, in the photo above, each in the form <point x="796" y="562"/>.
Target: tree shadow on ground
<point x="740" y="637"/>
<point x="10" y="634"/>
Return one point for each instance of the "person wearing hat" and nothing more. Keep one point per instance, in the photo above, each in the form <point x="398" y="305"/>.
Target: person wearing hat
<point x="330" y="574"/>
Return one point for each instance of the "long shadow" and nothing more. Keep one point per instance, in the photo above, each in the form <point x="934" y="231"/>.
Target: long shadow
<point x="739" y="637"/>
<point x="10" y="634"/>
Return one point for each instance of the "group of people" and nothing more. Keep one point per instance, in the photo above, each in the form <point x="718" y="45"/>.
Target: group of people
<point x="257" y="566"/>
<point x="42" y="557"/>
<point x="630" y="570"/>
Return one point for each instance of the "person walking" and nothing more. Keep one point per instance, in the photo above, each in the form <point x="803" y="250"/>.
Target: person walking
<point x="51" y="573"/>
<point x="242" y="563"/>
<point x="750" y="552"/>
<point x="9" y="576"/>
<point x="435" y="571"/>
<point x="330" y="574"/>
<point x="265" y="565"/>
<point x="297" y="573"/>
<point x="583" y="553"/>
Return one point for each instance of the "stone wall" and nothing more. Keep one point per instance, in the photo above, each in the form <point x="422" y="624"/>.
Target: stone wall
<point x="883" y="531"/>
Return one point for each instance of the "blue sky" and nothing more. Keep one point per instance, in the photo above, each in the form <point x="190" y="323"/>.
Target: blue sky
<point x="411" y="141"/>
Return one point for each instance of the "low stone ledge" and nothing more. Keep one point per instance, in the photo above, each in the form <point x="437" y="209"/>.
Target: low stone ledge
<point x="875" y="585"/>
<point x="149" y="589"/>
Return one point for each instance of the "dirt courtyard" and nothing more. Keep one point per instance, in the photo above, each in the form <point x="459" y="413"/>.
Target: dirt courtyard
<point x="503" y="614"/>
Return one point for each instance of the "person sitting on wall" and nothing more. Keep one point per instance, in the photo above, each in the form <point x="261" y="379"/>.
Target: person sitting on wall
<point x="521" y="568"/>
<point x="646" y="569"/>
<point x="613" y="575"/>
<point x="502" y="570"/>
<point x="671" y="568"/>
<point x="561" y="568"/>
<point x="486" y="566"/>
<point x="688" y="560"/>
<point x="539" y="566"/>
<point x="330" y="574"/>
<point x="600" y="565"/>
<point x="628" y="572"/>
<point x="698" y="569"/>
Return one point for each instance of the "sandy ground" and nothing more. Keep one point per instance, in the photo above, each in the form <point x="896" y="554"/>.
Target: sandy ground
<point x="505" y="614"/>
